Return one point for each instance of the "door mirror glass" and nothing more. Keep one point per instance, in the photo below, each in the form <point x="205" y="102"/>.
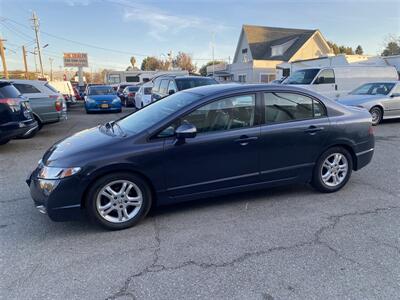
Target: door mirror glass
<point x="186" y="130"/>
<point x="395" y="95"/>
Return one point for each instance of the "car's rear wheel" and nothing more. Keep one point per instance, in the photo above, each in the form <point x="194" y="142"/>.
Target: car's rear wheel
<point x="376" y="114"/>
<point x="118" y="201"/>
<point x="333" y="170"/>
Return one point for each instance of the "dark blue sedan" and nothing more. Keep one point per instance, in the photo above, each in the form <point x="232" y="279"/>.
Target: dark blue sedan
<point x="102" y="98"/>
<point x="199" y="143"/>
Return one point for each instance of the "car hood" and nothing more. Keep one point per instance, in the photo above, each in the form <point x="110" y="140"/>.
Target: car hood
<point x="359" y="99"/>
<point x="80" y="146"/>
<point x="103" y="97"/>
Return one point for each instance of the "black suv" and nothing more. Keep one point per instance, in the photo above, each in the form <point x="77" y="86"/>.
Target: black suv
<point x="16" y="119"/>
<point x="166" y="85"/>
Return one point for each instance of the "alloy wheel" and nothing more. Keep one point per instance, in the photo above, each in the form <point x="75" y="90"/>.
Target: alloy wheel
<point x="334" y="169"/>
<point x="376" y="115"/>
<point x="119" y="201"/>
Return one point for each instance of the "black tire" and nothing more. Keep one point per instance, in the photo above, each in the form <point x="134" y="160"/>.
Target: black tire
<point x="317" y="181"/>
<point x="95" y="189"/>
<point x="377" y="115"/>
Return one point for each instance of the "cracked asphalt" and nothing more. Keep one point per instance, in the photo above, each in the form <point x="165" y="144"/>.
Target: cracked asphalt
<point x="282" y="243"/>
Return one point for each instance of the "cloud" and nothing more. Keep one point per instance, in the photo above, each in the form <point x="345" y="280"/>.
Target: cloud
<point x="161" y="22"/>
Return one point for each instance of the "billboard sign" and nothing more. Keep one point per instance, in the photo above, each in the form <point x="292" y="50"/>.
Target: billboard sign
<point x="76" y="60"/>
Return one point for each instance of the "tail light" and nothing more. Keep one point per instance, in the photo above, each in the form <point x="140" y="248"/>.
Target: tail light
<point x="53" y="96"/>
<point x="131" y="94"/>
<point x="371" y="130"/>
<point x="14" y="104"/>
<point x="58" y="105"/>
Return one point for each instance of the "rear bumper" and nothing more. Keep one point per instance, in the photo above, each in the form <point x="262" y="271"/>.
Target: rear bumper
<point x="17" y="129"/>
<point x="363" y="158"/>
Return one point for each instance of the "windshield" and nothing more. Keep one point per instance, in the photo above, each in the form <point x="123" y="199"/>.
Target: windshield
<point x="301" y="77"/>
<point x="152" y="114"/>
<point x="381" y="88"/>
<point x="188" y="83"/>
<point x="101" y="90"/>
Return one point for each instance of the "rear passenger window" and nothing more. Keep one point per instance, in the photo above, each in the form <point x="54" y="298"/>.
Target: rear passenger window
<point x="286" y="107"/>
<point x="156" y="87"/>
<point x="164" y="86"/>
<point x="26" y="88"/>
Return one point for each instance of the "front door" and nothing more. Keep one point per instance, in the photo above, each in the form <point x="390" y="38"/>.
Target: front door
<point x="325" y="84"/>
<point x="224" y="154"/>
<point x="293" y="136"/>
<point x="392" y="104"/>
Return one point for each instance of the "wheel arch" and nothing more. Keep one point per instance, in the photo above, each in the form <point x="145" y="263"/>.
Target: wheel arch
<point x="107" y="170"/>
<point x="346" y="145"/>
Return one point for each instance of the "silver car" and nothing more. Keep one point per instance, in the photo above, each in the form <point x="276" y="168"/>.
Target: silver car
<point x="381" y="99"/>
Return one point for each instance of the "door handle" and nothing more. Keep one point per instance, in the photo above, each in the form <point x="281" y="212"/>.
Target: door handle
<point x="244" y="139"/>
<point x="313" y="129"/>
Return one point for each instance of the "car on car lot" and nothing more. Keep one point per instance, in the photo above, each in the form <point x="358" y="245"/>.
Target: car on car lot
<point x="48" y="105"/>
<point x="381" y="99"/>
<point x="120" y="89"/>
<point x="166" y="85"/>
<point x="128" y="95"/>
<point x="102" y="98"/>
<point x="198" y="143"/>
<point x="16" y="119"/>
<point x="66" y="89"/>
<point x="143" y="95"/>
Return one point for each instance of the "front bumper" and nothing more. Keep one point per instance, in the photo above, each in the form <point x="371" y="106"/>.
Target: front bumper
<point x="59" y="199"/>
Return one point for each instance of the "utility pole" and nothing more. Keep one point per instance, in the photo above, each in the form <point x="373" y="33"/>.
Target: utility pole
<point x="213" y="59"/>
<point x="51" y="68"/>
<point x="3" y="58"/>
<point x="25" y="63"/>
<point x="36" y="28"/>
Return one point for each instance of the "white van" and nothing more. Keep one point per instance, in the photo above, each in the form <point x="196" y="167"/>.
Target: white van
<point x="335" y="82"/>
<point x="65" y="88"/>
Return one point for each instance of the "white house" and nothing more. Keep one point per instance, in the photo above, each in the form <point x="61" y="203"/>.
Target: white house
<point x="260" y="49"/>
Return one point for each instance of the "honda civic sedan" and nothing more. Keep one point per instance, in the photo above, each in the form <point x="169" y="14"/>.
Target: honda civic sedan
<point x="200" y="143"/>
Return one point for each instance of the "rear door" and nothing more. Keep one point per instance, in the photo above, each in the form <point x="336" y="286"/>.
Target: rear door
<point x="293" y="135"/>
<point x="42" y="105"/>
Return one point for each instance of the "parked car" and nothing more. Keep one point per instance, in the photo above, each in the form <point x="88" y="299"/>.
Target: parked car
<point x="120" y="89"/>
<point x="198" y="143"/>
<point x="381" y="99"/>
<point x="128" y="95"/>
<point x="66" y="89"/>
<point x="143" y="95"/>
<point x="48" y="105"/>
<point x="16" y="119"/>
<point x="339" y="81"/>
<point x="102" y="98"/>
<point x="164" y="86"/>
<point x="77" y="94"/>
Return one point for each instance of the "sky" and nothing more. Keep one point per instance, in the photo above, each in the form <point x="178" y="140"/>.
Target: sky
<point x="111" y="31"/>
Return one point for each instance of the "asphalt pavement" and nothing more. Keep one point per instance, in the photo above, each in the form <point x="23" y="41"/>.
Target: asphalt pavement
<point x="282" y="243"/>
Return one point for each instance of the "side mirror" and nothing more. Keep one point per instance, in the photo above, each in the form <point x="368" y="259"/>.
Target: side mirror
<point x="186" y="130"/>
<point x="170" y="92"/>
<point x="395" y="95"/>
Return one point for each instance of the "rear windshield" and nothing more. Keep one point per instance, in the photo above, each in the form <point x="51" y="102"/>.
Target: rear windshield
<point x="379" y="88"/>
<point x="133" y="88"/>
<point x="8" y="91"/>
<point x="188" y="83"/>
<point x="51" y="88"/>
<point x="301" y="77"/>
<point x="101" y="90"/>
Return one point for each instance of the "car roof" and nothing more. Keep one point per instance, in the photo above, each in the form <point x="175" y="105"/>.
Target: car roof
<point x="26" y="81"/>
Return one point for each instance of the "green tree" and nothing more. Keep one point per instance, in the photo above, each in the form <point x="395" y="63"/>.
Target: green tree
<point x="359" y="50"/>
<point x="203" y="69"/>
<point x="392" y="47"/>
<point x="151" y="63"/>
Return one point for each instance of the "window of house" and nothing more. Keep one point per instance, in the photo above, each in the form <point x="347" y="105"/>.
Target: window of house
<point x="226" y="114"/>
<point x="26" y="88"/>
<point x="286" y="107"/>
<point x="326" y="76"/>
<point x="242" y="78"/>
<point x="267" y="77"/>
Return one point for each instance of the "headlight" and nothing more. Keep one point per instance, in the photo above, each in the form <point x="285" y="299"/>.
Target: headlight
<point x="90" y="100"/>
<point x="116" y="100"/>
<point x="57" y="173"/>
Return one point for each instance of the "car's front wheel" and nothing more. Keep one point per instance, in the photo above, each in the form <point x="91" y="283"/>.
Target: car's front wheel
<point x="118" y="201"/>
<point x="332" y="170"/>
<point x="376" y="114"/>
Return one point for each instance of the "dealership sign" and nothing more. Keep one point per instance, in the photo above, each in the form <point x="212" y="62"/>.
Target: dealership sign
<point x="75" y="60"/>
